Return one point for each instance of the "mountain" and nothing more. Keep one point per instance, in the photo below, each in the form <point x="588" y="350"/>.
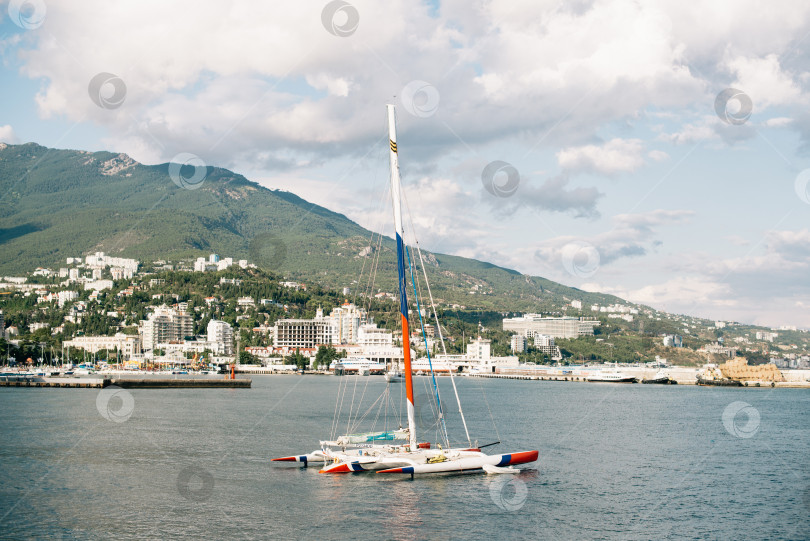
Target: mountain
<point x="56" y="204"/>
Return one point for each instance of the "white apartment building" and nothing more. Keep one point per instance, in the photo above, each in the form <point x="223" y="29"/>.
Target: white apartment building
<point x="371" y="336"/>
<point x="517" y="343"/>
<point x="557" y="327"/>
<point x="127" y="344"/>
<point x="220" y="337"/>
<point x="165" y="325"/>
<point x="98" y="285"/>
<point x="346" y="321"/>
<point x="478" y="358"/>
<point x="302" y="333"/>
<point x="545" y="345"/>
<point x="99" y="260"/>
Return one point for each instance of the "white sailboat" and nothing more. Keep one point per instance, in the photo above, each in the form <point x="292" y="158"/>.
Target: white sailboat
<point x="409" y="457"/>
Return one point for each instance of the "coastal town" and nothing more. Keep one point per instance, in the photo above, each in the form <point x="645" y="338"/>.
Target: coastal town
<point x="104" y="313"/>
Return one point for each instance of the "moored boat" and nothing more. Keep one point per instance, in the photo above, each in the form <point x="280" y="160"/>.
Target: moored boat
<point x="611" y="377"/>
<point x="718" y="382"/>
<point x="660" y="378"/>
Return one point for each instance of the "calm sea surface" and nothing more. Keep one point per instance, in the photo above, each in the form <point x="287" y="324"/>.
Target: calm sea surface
<point x="616" y="462"/>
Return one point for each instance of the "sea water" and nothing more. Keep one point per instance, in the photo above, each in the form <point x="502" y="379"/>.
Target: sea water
<point x="616" y="462"/>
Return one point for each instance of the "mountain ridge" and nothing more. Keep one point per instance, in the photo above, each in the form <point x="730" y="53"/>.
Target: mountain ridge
<point x="58" y="203"/>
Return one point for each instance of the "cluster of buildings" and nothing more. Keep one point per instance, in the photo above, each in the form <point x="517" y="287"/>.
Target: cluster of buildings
<point x="530" y="325"/>
<point x="543" y="343"/>
<point x="347" y="327"/>
<point x="478" y="358"/>
<point x="215" y="263"/>
<point x="766" y="336"/>
<point x="167" y="330"/>
<point x="792" y="361"/>
<point x="543" y="330"/>
<point x="719" y="349"/>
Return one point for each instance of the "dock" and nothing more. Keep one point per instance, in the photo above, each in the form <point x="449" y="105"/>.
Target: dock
<point x="181" y="383"/>
<point x="71" y="383"/>
<point x="125" y="382"/>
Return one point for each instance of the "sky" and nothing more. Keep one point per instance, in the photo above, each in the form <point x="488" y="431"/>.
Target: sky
<point x="653" y="150"/>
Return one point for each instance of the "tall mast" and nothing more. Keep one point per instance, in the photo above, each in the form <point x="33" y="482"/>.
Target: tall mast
<point x="403" y="297"/>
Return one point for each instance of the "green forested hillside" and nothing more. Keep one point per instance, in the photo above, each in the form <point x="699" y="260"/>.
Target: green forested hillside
<point x="64" y="203"/>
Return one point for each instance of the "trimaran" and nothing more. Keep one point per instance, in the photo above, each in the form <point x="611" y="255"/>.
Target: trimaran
<point x="377" y="451"/>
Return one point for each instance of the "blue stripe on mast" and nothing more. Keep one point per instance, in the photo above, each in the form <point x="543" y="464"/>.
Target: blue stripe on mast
<point x="403" y="298"/>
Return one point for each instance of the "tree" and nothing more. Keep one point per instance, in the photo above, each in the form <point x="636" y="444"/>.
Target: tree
<point x="298" y="359"/>
<point x="325" y="355"/>
<point x="246" y="357"/>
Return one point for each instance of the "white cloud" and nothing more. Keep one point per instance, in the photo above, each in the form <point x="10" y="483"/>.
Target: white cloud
<point x="632" y="235"/>
<point x="7" y="135"/>
<point x="615" y="156"/>
<point x="778" y="122"/>
<point x="764" y="81"/>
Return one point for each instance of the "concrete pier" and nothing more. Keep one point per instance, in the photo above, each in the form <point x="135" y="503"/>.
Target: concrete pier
<point x="181" y="383"/>
<point x="126" y="382"/>
<point x="73" y="383"/>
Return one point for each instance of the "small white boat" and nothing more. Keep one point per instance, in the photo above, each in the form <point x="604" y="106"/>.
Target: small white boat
<point x="394" y="376"/>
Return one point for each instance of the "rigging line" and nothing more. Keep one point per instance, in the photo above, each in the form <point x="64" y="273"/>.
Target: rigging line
<point x="387" y="400"/>
<point x="366" y="414"/>
<point x="365" y="387"/>
<point x="351" y="407"/>
<point x="427" y="350"/>
<point x="335" y="415"/>
<point x="371" y="239"/>
<point x="492" y="418"/>
<point x="346" y="384"/>
<point x="375" y="256"/>
<point x="362" y="270"/>
<point x="436" y="317"/>
<point x="372" y="277"/>
<point x="441" y="339"/>
<point x="341" y="395"/>
<point x="382" y="405"/>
